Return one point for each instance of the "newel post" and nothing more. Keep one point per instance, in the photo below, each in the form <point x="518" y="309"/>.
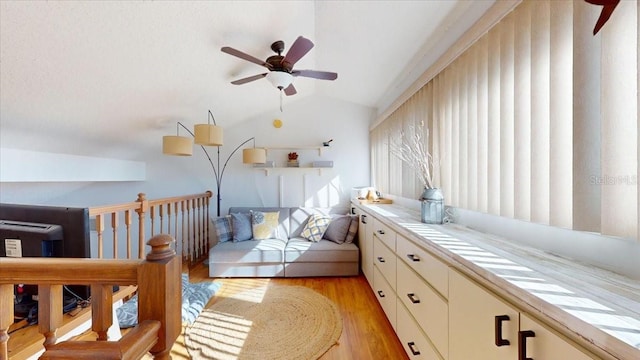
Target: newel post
<point x="160" y="293"/>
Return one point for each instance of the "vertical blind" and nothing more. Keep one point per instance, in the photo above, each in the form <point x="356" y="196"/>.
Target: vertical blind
<point x="537" y="121"/>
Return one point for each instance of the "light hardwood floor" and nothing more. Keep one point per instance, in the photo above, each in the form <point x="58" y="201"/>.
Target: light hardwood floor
<point x="366" y="334"/>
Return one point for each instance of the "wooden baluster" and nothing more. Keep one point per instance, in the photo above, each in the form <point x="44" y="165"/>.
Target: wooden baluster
<point x="49" y="312"/>
<point x="185" y="244"/>
<point x="194" y="230"/>
<point x="169" y="218"/>
<point x="161" y="206"/>
<point x="175" y="221"/>
<point x="6" y="318"/>
<point x="101" y="309"/>
<point x="127" y="223"/>
<point x="114" y="228"/>
<point x="198" y="225"/>
<point x="159" y="293"/>
<point x="208" y="201"/>
<point x="144" y="206"/>
<point x="100" y="230"/>
<point x="189" y="240"/>
<point x="152" y="214"/>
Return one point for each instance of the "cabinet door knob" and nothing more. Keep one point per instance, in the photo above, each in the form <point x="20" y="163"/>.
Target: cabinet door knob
<point x="522" y="343"/>
<point x="381" y="232"/>
<point x="381" y="259"/>
<point x="414" y="299"/>
<point x="413" y="257"/>
<point x="380" y="293"/>
<point x="413" y="348"/>
<point x="498" y="330"/>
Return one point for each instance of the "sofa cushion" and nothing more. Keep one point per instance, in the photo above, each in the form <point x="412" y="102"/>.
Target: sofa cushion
<point x="300" y="215"/>
<point x="252" y="251"/>
<point x="241" y="224"/>
<point x="283" y="219"/>
<point x="264" y="224"/>
<point x="338" y="229"/>
<point x="316" y="227"/>
<point x="353" y="229"/>
<point x="301" y="250"/>
<point x="223" y="229"/>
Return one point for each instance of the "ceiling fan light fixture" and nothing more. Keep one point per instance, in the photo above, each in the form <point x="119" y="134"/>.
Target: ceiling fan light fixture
<point x="280" y="79"/>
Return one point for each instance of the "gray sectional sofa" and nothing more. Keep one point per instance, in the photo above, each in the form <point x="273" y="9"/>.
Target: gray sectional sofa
<point x="288" y="255"/>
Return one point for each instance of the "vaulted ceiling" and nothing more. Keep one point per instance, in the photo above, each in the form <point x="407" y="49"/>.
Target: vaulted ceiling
<point x="80" y="73"/>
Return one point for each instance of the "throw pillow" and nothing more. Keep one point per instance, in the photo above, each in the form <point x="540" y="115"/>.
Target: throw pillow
<point x="353" y="230"/>
<point x="241" y="225"/>
<point x="264" y="225"/>
<point x="315" y="227"/>
<point x="223" y="229"/>
<point x="338" y="229"/>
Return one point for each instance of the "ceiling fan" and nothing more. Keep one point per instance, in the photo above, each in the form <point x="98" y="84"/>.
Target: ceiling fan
<point x="281" y="72"/>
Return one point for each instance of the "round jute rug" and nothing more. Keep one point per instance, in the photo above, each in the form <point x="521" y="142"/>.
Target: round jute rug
<point x="271" y="322"/>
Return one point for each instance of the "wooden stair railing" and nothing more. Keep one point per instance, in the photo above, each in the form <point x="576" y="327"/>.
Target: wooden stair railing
<point x="159" y="304"/>
<point x="185" y="217"/>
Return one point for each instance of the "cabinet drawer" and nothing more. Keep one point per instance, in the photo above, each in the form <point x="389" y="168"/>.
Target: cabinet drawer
<point x="385" y="260"/>
<point x="432" y="270"/>
<point x="386" y="296"/>
<point x="427" y="307"/>
<point x="384" y="233"/>
<point x="413" y="340"/>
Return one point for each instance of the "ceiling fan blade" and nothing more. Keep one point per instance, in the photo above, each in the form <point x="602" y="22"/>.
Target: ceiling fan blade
<point x="248" y="79"/>
<point x="290" y="90"/>
<point x="244" y="56"/>
<point x="322" y="75"/>
<point x="299" y="49"/>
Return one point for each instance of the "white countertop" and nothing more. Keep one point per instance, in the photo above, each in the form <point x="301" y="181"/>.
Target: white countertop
<point x="598" y="309"/>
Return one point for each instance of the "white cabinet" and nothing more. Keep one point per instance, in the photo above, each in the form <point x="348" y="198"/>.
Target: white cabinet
<point x="477" y="320"/>
<point x="385" y="260"/>
<point x="385" y="234"/>
<point x="428" y="308"/>
<point x="481" y="326"/>
<point x="386" y="296"/>
<point x="365" y="242"/>
<point x="540" y="342"/>
<point x="414" y="341"/>
<point x="431" y="269"/>
<point x="384" y="277"/>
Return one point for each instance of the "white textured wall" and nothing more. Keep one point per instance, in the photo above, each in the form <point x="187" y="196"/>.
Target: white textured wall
<point x="306" y="122"/>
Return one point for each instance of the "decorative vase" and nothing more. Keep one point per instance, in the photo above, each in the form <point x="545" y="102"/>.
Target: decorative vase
<point x="432" y="209"/>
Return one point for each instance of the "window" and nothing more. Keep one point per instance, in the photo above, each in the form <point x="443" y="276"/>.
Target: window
<point x="536" y="121"/>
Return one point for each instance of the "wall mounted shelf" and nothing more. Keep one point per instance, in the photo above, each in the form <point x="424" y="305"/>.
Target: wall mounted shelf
<point x="317" y="148"/>
<point x="306" y="168"/>
<point x="292" y="169"/>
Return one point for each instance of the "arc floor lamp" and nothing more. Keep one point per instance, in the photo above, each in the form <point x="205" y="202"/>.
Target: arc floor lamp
<point x="210" y="135"/>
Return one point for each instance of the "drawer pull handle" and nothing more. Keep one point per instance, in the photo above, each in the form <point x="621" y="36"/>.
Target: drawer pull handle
<point x="381" y="294"/>
<point x="522" y="343"/>
<point x="498" y="330"/>
<point x="413" y="348"/>
<point x="363" y="219"/>
<point x="381" y="232"/>
<point x="413" y="257"/>
<point x="381" y="259"/>
<point x="413" y="298"/>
